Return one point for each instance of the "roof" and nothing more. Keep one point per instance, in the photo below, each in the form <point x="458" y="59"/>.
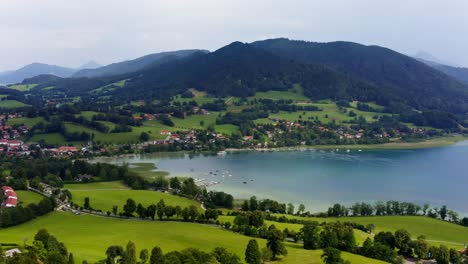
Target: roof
<point x="4" y="188"/>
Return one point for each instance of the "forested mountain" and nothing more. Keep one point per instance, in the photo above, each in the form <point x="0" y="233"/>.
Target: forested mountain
<point x="459" y="73"/>
<point x="338" y="71"/>
<point x="32" y="70"/>
<point x="134" y="65"/>
<point x="241" y="70"/>
<point x="409" y="80"/>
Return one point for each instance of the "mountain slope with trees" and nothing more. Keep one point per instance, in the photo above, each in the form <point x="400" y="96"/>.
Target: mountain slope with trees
<point x="411" y="81"/>
<point x="32" y="70"/>
<point x="134" y="65"/>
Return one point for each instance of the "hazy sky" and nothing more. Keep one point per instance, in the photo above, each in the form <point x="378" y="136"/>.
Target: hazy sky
<point x="72" y="32"/>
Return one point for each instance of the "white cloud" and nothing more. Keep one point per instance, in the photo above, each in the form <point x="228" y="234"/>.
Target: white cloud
<point x="70" y="32"/>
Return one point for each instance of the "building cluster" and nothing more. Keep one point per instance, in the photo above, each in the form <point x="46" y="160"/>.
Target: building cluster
<point x="10" y="199"/>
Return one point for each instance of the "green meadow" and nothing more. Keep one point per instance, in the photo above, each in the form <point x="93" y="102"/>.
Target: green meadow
<point x="436" y="231"/>
<point x="28" y="197"/>
<point x="103" y="196"/>
<point x="22" y="87"/>
<point x="11" y="104"/>
<point x="89" y="236"/>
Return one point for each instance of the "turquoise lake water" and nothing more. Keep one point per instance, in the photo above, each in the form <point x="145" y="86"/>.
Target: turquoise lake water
<point x="319" y="178"/>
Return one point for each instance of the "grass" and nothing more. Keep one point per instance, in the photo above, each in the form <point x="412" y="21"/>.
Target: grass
<point x="198" y="96"/>
<point x="88" y="237"/>
<point x="11" y="104"/>
<point x="278" y="95"/>
<point x="104" y="196"/>
<point x="436" y="231"/>
<point x="27" y="121"/>
<point x="22" y="87"/>
<point x="430" y="143"/>
<point x="148" y="170"/>
<point x="359" y="235"/>
<point x="28" y="197"/>
<point x="330" y="112"/>
<point x="51" y="138"/>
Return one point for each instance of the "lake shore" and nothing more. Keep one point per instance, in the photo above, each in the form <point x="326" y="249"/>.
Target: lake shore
<point x="430" y="143"/>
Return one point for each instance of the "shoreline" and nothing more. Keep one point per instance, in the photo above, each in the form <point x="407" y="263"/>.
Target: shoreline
<point x="424" y="144"/>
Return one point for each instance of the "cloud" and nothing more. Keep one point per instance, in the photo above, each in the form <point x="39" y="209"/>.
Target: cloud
<point x="70" y="32"/>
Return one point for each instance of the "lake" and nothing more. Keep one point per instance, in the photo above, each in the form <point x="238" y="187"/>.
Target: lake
<point x="319" y="178"/>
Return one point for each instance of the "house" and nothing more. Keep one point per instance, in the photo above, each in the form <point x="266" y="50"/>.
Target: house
<point x="10" y="197"/>
<point x="64" y="149"/>
<point x="247" y="138"/>
<point x="11" y="252"/>
<point x="165" y="132"/>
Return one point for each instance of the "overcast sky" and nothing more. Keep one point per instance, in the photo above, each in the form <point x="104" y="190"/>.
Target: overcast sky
<point x="72" y="32"/>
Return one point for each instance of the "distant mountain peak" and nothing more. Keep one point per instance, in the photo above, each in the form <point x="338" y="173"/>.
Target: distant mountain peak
<point x="90" y="65"/>
<point x="426" y="56"/>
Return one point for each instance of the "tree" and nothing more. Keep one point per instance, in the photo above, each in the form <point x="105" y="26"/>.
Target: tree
<point x="223" y="256"/>
<point x="311" y="235"/>
<point x="130" y="254"/>
<point x="144" y="255"/>
<point x="385" y="238"/>
<point x="43" y="236"/>
<point x="275" y="243"/>
<point x="174" y="183"/>
<point x="211" y="214"/>
<point x="245" y="206"/>
<point x="144" y="136"/>
<point x="86" y="203"/>
<point x="151" y="211"/>
<point x="113" y="252"/>
<point x="332" y="256"/>
<point x="443" y="212"/>
<point x="253" y="204"/>
<point x="115" y="209"/>
<point x="252" y="253"/>
<point x="160" y="209"/>
<point x="403" y="242"/>
<point x="301" y="209"/>
<point x="290" y="209"/>
<point x="71" y="259"/>
<point x="425" y="208"/>
<point x="421" y="248"/>
<point x="141" y="211"/>
<point x="443" y="255"/>
<point x="130" y="207"/>
<point x="455" y="256"/>
<point x="157" y="256"/>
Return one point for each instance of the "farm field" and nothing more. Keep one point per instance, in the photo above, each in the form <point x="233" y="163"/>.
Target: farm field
<point x="11" y="104"/>
<point x="103" y="196"/>
<point x="28" y="197"/>
<point x="359" y="235"/>
<point x="76" y="231"/>
<point x="436" y="231"/>
<point x="51" y="138"/>
<point x="27" y="121"/>
<point x="22" y="87"/>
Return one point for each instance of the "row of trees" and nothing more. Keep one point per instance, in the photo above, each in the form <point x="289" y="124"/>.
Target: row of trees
<point x="394" y="208"/>
<point x="44" y="249"/>
<point x="11" y="216"/>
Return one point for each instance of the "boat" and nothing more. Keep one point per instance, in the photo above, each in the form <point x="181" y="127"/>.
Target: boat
<point x="221" y="153"/>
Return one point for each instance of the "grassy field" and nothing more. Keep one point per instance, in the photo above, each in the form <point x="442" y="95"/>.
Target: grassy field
<point x="198" y="96"/>
<point x="11" y="104"/>
<point x="103" y="196"/>
<point x="430" y="143"/>
<point x="436" y="231"/>
<point x="147" y="170"/>
<point x="22" y="87"/>
<point x="28" y="197"/>
<point x="51" y="138"/>
<point x="280" y="95"/>
<point x="88" y="237"/>
<point x="29" y="122"/>
<point x="360" y="235"/>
